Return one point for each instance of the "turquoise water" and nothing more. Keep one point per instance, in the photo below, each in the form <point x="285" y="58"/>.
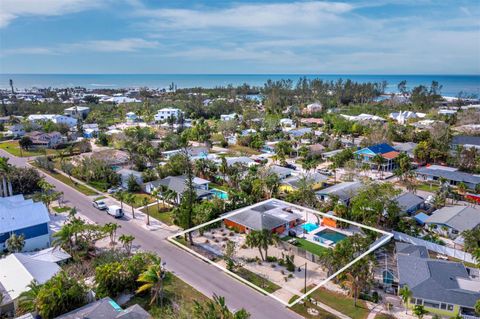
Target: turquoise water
<point x="309" y="227"/>
<point x="331" y="235"/>
<point x="452" y="84"/>
<point x="219" y="193"/>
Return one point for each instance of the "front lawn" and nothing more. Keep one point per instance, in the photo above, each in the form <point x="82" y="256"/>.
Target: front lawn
<point x="162" y="213"/>
<point x="257" y="280"/>
<point x="64" y="179"/>
<point x="139" y="199"/>
<point x="428" y="188"/>
<point x="243" y="150"/>
<point x="341" y="303"/>
<point x="307" y="245"/>
<point x="13" y="148"/>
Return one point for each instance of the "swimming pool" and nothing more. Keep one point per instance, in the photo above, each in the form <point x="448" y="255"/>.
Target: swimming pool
<point x="309" y="227"/>
<point x="331" y="235"/>
<point x="219" y="193"/>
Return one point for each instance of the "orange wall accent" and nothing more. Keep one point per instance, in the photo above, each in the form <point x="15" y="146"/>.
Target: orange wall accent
<point x="232" y="224"/>
<point x="329" y="222"/>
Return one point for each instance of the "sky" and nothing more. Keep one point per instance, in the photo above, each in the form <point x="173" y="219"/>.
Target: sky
<point x="240" y="37"/>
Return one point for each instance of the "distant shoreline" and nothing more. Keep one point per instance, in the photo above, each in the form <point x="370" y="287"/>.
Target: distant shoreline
<point x="452" y="84"/>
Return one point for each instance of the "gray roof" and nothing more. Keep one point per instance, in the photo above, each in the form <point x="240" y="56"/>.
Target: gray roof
<point x="411" y="250"/>
<point x="314" y="178"/>
<point x="466" y="140"/>
<point x="437" y="280"/>
<point x="450" y="175"/>
<point x="106" y="308"/>
<point x="280" y="171"/>
<point x="178" y="184"/>
<point x="265" y="216"/>
<point x="407" y="147"/>
<point x="460" y="218"/>
<point x="344" y="191"/>
<point x="408" y="200"/>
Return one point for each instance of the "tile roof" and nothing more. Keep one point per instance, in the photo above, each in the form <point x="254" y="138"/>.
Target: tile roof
<point x="390" y="155"/>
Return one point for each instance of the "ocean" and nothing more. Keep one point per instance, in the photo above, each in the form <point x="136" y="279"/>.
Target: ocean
<point x="452" y="84"/>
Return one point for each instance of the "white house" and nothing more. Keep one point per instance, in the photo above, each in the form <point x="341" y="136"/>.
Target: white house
<point x="55" y="118"/>
<point x="230" y="117"/>
<point x="131" y="117"/>
<point x="287" y="123"/>
<point x="166" y="113"/>
<point x="24" y="217"/>
<point x="16" y="130"/>
<point x="403" y="116"/>
<point x="78" y="112"/>
<point x="314" y="107"/>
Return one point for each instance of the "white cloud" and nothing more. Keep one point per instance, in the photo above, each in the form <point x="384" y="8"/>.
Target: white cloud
<point x="121" y="45"/>
<point x="12" y="9"/>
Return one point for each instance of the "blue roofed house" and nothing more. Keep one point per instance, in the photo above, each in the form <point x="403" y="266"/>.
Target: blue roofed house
<point x="367" y="154"/>
<point x="445" y="288"/>
<point x="24" y="217"/>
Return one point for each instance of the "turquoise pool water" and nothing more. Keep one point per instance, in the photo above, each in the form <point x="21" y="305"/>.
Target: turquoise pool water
<point x="309" y="227"/>
<point x="219" y="193"/>
<point x="331" y="235"/>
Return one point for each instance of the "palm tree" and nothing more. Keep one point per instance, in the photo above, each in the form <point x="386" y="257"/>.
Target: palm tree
<point x="419" y="311"/>
<point x="379" y="161"/>
<point x="127" y="241"/>
<point x="111" y="230"/>
<point x="130" y="199"/>
<point x="406" y="294"/>
<point x="152" y="280"/>
<point x="217" y="308"/>
<point x="121" y="197"/>
<point x="261" y="239"/>
<point x="253" y="241"/>
<point x="5" y="168"/>
<point x="27" y="301"/>
<point x="145" y="204"/>
<point x="155" y="194"/>
<point x="63" y="237"/>
<point x="15" y="243"/>
<point x="462" y="188"/>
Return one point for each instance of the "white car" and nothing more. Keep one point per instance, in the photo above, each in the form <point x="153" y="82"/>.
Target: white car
<point x="113" y="190"/>
<point x="100" y="204"/>
<point x="115" y="211"/>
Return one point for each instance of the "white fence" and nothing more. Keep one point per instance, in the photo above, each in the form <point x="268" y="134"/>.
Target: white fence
<point x="451" y="252"/>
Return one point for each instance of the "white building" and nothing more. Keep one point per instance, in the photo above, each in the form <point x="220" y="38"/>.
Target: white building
<point x="24" y="217"/>
<point x="230" y="117"/>
<point x="403" y="116"/>
<point x="55" y="118"/>
<point x="16" y="130"/>
<point x="131" y="117"/>
<point x="166" y="113"/>
<point x="314" y="107"/>
<point x="78" y="112"/>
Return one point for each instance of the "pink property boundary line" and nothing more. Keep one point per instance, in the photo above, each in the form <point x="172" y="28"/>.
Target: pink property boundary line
<point x="385" y="238"/>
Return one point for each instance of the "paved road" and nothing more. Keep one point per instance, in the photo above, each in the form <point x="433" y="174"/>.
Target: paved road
<point x="202" y="276"/>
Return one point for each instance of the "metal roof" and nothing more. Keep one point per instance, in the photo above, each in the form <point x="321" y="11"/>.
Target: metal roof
<point x="17" y="213"/>
<point x="457" y="217"/>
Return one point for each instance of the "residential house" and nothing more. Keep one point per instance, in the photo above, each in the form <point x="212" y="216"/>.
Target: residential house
<point x="409" y="203"/>
<point x="316" y="149"/>
<point x="388" y="153"/>
<point x="363" y="118"/>
<point x="313" y="108"/>
<point x="300" y="132"/>
<point x="77" y="112"/>
<point x="126" y="175"/>
<point x="178" y="184"/>
<point x="166" y="113"/>
<point x="442" y="287"/>
<point x="343" y="191"/>
<point x="131" y="117"/>
<point x="407" y="148"/>
<point x="25" y="217"/>
<point x="466" y="142"/>
<point x="269" y="147"/>
<point x="311" y="121"/>
<point x="451" y="175"/>
<point x="273" y="215"/>
<point x="243" y="160"/>
<point x="90" y="130"/>
<point x="230" y="117"/>
<point x="315" y="180"/>
<point x="280" y="171"/>
<point x="107" y="308"/>
<point x="193" y="152"/>
<point x="57" y="119"/>
<point x="17" y="271"/>
<point x="15" y="131"/>
<point x="46" y="140"/>
<point x="402" y="117"/>
<point x="287" y="124"/>
<point x="453" y="220"/>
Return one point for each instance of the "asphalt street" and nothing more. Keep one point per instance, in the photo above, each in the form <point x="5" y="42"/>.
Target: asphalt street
<point x="204" y="277"/>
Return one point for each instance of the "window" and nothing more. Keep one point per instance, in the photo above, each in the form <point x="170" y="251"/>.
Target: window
<point x="431" y="304"/>
<point x="450" y="307"/>
<point x="419" y="301"/>
<point x="443" y="306"/>
<point x="454" y="231"/>
<point x="412" y="301"/>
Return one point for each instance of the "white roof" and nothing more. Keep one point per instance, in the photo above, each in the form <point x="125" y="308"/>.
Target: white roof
<point x="77" y="108"/>
<point x="18" y="270"/>
<point x="17" y="213"/>
<point x="52" y="254"/>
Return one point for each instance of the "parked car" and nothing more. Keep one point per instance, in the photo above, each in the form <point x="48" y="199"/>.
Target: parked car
<point x="291" y="166"/>
<point x="325" y="172"/>
<point x="113" y="190"/>
<point x="100" y="204"/>
<point x="115" y="211"/>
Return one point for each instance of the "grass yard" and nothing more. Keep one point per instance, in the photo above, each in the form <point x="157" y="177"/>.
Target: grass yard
<point x="139" y="199"/>
<point x="384" y="316"/>
<point x="64" y="179"/>
<point x="257" y="280"/>
<point x="60" y="210"/>
<point x="176" y="292"/>
<point x="164" y="214"/>
<point x="427" y="188"/>
<point x="13" y="148"/>
<point x="341" y="303"/>
<point x="243" y="150"/>
<point x="307" y="245"/>
<point x="302" y="310"/>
